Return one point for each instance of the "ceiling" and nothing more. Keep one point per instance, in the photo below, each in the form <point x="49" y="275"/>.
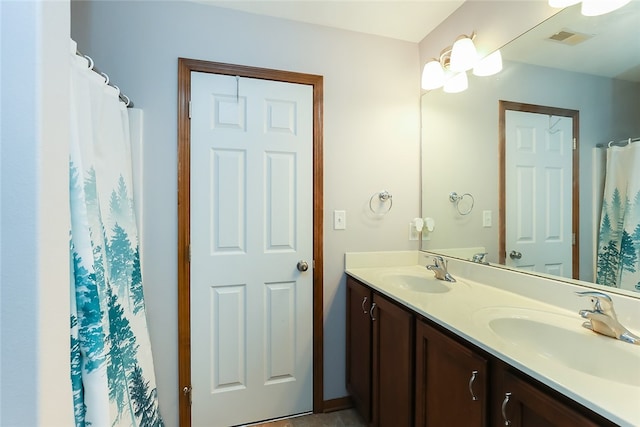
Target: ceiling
<point x="397" y="19"/>
<point x="610" y="44"/>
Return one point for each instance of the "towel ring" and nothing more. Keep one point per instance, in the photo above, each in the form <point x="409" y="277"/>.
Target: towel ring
<point x="383" y="197"/>
<point x="456" y="198"/>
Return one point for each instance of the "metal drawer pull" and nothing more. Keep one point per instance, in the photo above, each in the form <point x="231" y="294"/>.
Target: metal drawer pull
<point x="507" y="421"/>
<point x="364" y="301"/>
<point x="474" y="374"/>
<point x="373" y="307"/>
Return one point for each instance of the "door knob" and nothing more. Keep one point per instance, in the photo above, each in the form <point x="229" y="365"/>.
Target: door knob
<point x="515" y="255"/>
<point x="302" y="266"/>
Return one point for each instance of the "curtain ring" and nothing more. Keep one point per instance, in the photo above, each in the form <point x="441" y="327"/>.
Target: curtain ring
<point x="383" y="196"/>
<point x="91" y="63"/>
<point x="106" y="78"/>
<point x="127" y="101"/>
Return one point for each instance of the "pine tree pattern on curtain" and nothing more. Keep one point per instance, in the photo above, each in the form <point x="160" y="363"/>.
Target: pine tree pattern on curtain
<point x="618" y="261"/>
<point x="112" y="371"/>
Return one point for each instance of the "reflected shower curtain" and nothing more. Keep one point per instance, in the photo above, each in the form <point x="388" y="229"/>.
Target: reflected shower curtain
<point x="618" y="262"/>
<point x="112" y="370"/>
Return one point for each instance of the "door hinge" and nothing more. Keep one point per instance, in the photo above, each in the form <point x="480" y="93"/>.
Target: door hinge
<point x="573" y="238"/>
<point x="189" y="253"/>
<point x="186" y="390"/>
<point x="189" y="109"/>
<point x="575" y="142"/>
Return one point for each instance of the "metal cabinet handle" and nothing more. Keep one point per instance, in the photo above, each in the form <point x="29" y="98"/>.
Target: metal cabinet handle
<point x="474" y="374"/>
<point x="515" y="255"/>
<point x="373" y="307"/>
<point x="507" y="421"/>
<point x="364" y="301"/>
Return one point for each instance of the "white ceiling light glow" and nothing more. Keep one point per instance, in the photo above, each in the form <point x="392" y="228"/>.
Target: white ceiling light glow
<point x="591" y="7"/>
<point x="450" y="70"/>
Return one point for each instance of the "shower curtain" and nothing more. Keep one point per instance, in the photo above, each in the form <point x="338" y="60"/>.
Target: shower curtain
<point x="618" y="261"/>
<point x="112" y="371"/>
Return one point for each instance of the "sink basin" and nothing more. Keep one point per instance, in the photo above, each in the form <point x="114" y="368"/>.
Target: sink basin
<point x="415" y="283"/>
<point x="561" y="339"/>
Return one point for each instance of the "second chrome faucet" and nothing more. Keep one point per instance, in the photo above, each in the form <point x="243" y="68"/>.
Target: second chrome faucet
<point x="602" y="318"/>
<point x="439" y="268"/>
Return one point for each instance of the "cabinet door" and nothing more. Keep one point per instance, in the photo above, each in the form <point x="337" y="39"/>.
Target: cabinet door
<point x="392" y="364"/>
<point x="525" y="405"/>
<point x="451" y="381"/>
<point x="358" y="332"/>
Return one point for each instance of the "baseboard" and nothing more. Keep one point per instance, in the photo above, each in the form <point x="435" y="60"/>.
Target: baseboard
<point x="338" y="404"/>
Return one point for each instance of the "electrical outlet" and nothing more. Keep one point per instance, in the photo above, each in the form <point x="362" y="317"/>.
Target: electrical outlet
<point x="413" y="233"/>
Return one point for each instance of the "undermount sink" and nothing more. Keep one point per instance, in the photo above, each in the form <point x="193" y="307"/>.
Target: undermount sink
<point x="415" y="283"/>
<point x="561" y="339"/>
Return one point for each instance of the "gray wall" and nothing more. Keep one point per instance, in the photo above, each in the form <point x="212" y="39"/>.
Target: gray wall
<point x="460" y="143"/>
<point x="371" y="138"/>
<point x="34" y="216"/>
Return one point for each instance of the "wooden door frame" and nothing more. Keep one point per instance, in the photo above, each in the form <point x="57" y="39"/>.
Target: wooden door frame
<point x="185" y="67"/>
<point x="502" y="154"/>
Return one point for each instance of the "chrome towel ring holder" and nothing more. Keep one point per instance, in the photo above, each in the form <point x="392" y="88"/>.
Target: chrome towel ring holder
<point x="383" y="197"/>
<point x="456" y="198"/>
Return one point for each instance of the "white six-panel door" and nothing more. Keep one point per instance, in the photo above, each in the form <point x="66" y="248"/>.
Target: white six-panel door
<point x="538" y="183"/>
<point x="251" y="223"/>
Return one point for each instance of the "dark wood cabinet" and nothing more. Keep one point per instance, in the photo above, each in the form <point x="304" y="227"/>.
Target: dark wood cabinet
<point x="393" y="352"/>
<point x="520" y="402"/>
<point x="359" y="339"/>
<point x="379" y="357"/>
<point x="451" y="381"/>
<point x="404" y="370"/>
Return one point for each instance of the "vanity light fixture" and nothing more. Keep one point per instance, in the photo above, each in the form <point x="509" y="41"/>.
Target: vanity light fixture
<point x="463" y="54"/>
<point x="591" y="7"/>
<point x="449" y="71"/>
<point x="489" y="65"/>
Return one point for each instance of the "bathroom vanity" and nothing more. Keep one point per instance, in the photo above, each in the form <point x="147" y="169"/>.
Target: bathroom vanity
<point x="426" y="352"/>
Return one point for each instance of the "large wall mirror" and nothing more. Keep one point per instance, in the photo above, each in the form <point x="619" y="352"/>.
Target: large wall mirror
<point x="576" y="77"/>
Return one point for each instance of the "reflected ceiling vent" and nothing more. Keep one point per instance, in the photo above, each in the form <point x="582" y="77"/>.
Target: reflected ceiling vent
<point x="569" y="37"/>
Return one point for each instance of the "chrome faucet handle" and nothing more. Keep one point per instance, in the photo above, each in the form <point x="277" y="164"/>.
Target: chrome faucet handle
<point x="479" y="258"/>
<point x="600" y="302"/>
<point x="439" y="262"/>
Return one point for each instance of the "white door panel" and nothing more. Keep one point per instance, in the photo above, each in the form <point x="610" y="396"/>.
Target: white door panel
<point x="251" y="222"/>
<point x="539" y="192"/>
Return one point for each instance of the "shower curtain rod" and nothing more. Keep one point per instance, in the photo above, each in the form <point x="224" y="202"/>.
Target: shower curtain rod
<point x="620" y="143"/>
<point x="124" y="98"/>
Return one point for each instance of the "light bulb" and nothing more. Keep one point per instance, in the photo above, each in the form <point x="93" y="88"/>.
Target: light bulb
<point x="463" y="55"/>
<point x="457" y="83"/>
<point x="432" y="75"/>
<point x="489" y="65"/>
<point x="600" y="7"/>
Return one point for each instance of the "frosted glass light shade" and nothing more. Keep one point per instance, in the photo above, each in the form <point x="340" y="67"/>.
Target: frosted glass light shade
<point x="489" y="65"/>
<point x="432" y="75"/>
<point x="457" y="83"/>
<point x="463" y="55"/>
<point x="600" y="7"/>
<point x="563" y="3"/>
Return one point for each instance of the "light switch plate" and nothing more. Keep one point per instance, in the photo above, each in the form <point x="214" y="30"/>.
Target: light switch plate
<point x="487" y="219"/>
<point x="339" y="220"/>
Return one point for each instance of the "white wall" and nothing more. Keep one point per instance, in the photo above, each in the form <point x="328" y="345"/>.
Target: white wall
<point x="460" y="142"/>
<point x="34" y="263"/>
<point x="371" y="138"/>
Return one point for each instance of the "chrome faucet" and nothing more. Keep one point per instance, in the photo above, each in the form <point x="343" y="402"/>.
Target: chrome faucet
<point x="602" y="318"/>
<point x="480" y="258"/>
<point x="439" y="268"/>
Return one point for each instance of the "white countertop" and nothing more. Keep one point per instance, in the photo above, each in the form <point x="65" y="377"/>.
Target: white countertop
<point x="468" y="305"/>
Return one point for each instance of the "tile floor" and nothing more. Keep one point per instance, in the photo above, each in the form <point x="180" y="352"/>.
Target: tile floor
<point x="346" y="418"/>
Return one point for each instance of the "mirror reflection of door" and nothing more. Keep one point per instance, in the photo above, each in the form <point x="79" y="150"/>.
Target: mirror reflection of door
<point x="539" y="193"/>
